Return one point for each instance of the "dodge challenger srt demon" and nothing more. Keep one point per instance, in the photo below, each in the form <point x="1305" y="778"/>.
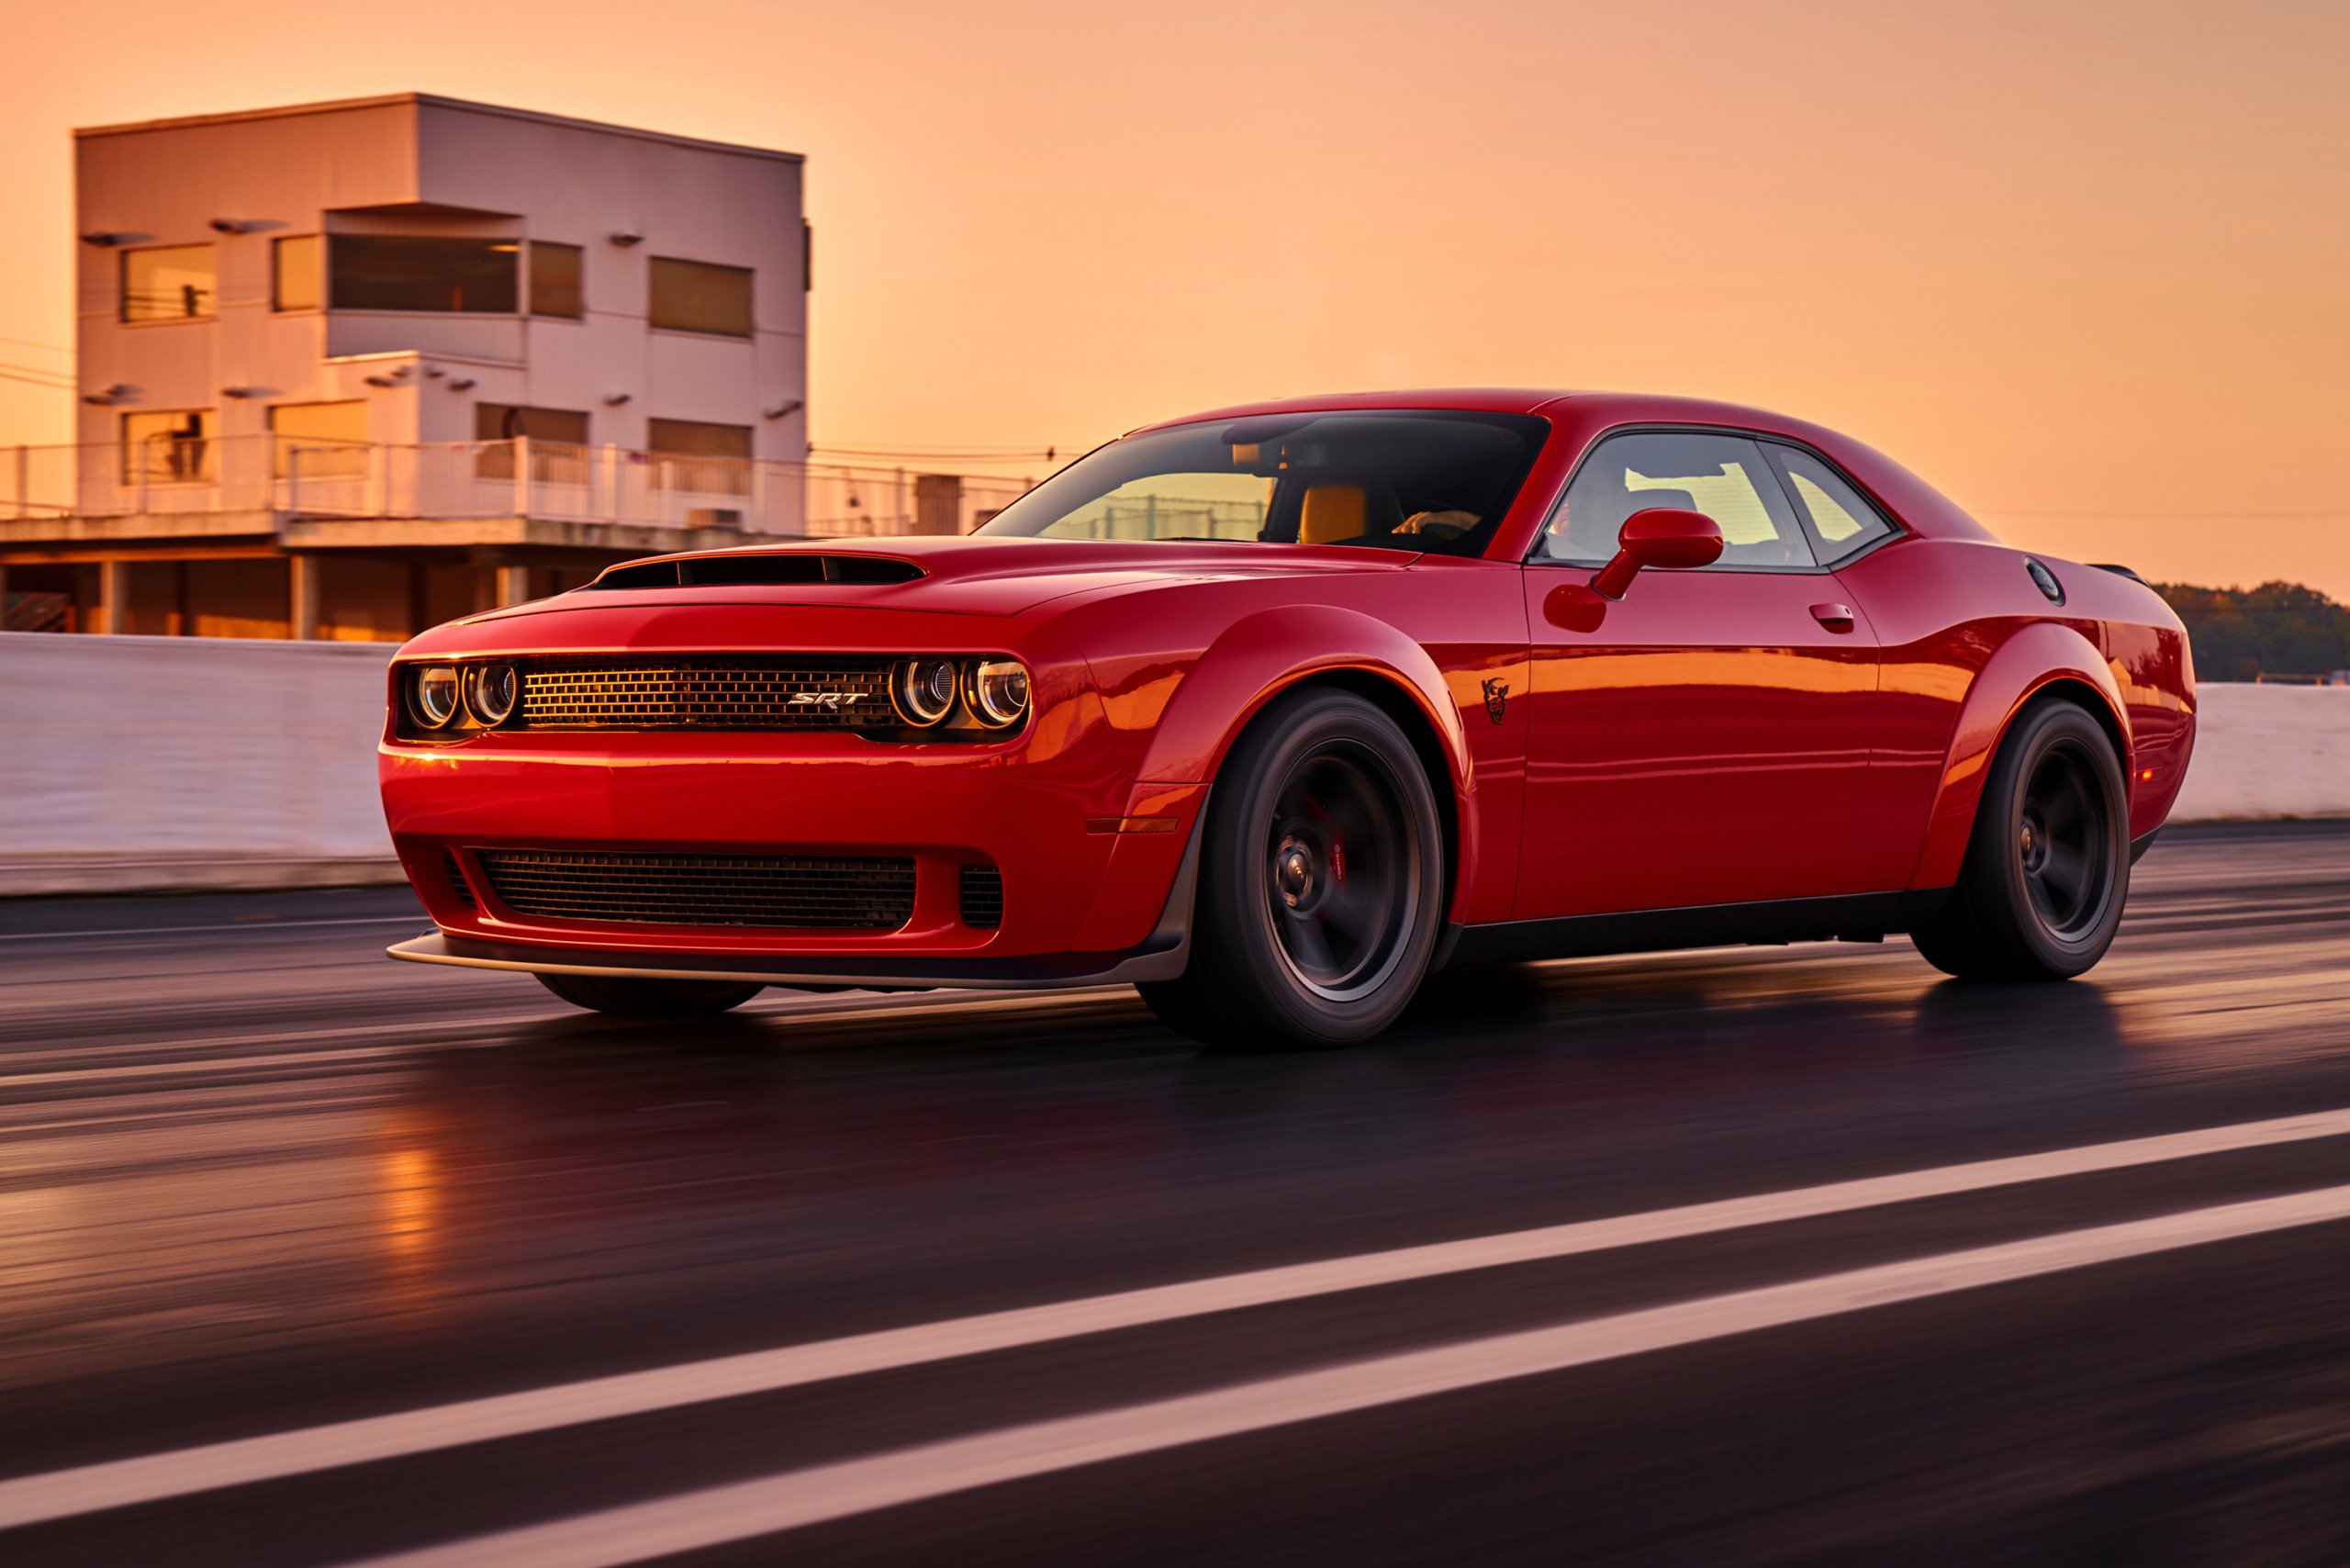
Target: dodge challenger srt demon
<point x="1271" y="713"/>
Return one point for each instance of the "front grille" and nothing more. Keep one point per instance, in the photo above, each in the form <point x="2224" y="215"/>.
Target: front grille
<point x="456" y="875"/>
<point x="720" y="693"/>
<point x="982" y="897"/>
<point x="840" y="894"/>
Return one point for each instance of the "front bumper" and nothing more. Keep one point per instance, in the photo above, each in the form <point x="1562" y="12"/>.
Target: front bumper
<point x="1160" y="959"/>
<point x="1081" y="898"/>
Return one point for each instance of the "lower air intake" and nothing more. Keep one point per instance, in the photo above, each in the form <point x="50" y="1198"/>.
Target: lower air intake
<point x="982" y="897"/>
<point x="456" y="875"/>
<point x="801" y="891"/>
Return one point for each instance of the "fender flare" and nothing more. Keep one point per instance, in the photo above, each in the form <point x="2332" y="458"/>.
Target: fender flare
<point x="1260" y="655"/>
<point x="2037" y="656"/>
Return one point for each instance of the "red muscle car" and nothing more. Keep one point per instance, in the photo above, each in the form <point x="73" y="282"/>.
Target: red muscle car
<point x="1271" y="713"/>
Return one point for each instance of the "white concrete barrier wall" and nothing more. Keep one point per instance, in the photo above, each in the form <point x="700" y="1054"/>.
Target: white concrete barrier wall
<point x="139" y="763"/>
<point x="155" y="763"/>
<point x="2267" y="752"/>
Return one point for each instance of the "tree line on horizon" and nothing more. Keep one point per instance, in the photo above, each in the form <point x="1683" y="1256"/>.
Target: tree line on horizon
<point x="2278" y="629"/>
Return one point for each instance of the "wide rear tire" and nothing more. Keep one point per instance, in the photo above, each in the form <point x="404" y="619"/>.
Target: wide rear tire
<point x="1320" y="891"/>
<point x="2047" y="868"/>
<point x="630" y="998"/>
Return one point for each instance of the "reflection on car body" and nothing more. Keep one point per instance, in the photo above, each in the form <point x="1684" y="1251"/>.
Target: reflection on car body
<point x="1275" y="710"/>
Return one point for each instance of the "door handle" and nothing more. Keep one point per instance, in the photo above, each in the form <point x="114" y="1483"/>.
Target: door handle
<point x="1835" y="616"/>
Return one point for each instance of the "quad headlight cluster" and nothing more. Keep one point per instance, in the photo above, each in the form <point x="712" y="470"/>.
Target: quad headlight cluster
<point x="924" y="690"/>
<point x="945" y="697"/>
<point x="487" y="692"/>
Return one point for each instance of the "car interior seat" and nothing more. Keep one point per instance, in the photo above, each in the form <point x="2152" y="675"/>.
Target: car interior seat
<point x="1331" y="512"/>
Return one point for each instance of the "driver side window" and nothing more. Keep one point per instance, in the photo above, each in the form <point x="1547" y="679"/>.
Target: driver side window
<point x="1725" y="476"/>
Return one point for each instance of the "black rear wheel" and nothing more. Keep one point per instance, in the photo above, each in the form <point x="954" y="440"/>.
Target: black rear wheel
<point x="1321" y="882"/>
<point x="2047" y="868"/>
<point x="630" y="997"/>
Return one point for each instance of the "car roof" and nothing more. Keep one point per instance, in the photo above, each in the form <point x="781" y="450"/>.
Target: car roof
<point x="1580" y="415"/>
<point x="1607" y="407"/>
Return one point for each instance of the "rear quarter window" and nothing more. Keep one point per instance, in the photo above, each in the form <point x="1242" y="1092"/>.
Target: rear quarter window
<point x="1840" y="520"/>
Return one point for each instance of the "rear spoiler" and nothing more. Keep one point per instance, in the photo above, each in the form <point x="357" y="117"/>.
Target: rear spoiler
<point x="2118" y="571"/>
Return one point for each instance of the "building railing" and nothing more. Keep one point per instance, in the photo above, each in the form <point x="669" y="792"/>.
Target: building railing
<point x="295" y="476"/>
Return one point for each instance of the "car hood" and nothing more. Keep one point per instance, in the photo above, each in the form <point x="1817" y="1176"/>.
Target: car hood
<point x="951" y="576"/>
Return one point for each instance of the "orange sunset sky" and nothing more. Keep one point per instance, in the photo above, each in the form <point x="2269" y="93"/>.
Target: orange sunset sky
<point x="2086" y="267"/>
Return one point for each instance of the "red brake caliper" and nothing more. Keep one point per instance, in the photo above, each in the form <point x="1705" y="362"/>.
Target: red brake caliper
<point x="1337" y="846"/>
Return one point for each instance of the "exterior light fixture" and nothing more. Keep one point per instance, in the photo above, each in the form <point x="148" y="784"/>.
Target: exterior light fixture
<point x="101" y="238"/>
<point x="627" y="237"/>
<point x="490" y="690"/>
<point x="382" y="381"/>
<point x="923" y="691"/>
<point x="114" y="394"/>
<point x="614" y="400"/>
<point x="461" y="383"/>
<point x="231" y="226"/>
<point x="238" y="393"/>
<point x="778" y="411"/>
<point x="996" y="691"/>
<point x="433" y="698"/>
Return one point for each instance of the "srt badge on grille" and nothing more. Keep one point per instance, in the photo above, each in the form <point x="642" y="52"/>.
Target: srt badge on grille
<point x="830" y="701"/>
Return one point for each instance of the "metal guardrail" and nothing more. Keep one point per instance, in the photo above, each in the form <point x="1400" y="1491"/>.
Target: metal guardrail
<point x="521" y="477"/>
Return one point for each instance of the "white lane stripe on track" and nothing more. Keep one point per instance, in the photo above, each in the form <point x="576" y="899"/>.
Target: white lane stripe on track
<point x="113" y="1484"/>
<point x="877" y="1008"/>
<point x="236" y="926"/>
<point x="745" y="1510"/>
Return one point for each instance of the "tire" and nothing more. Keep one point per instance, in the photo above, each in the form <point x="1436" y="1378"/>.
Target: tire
<point x="2047" y="868"/>
<point x="1322" y="888"/>
<point x="629" y="998"/>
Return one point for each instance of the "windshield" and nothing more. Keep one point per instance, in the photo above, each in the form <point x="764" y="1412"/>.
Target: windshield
<point x="1407" y="479"/>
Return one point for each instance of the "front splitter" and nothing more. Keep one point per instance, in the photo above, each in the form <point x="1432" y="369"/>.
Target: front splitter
<point x="1148" y="963"/>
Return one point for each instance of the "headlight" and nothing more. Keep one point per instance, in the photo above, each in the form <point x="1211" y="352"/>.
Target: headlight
<point x="923" y="691"/>
<point x="998" y="692"/>
<point x="489" y="692"/>
<point x="435" y="698"/>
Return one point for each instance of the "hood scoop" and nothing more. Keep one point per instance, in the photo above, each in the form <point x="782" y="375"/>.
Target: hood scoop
<point x="782" y="569"/>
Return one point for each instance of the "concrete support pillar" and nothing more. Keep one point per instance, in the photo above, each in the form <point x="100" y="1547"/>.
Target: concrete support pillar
<point x="302" y="598"/>
<point x="113" y="596"/>
<point x="513" y="585"/>
<point x="522" y="475"/>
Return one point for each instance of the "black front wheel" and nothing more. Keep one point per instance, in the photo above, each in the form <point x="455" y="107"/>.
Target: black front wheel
<point x="1321" y="889"/>
<point x="2047" y="868"/>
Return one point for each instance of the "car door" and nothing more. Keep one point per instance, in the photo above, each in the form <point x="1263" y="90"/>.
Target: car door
<point x="1706" y="739"/>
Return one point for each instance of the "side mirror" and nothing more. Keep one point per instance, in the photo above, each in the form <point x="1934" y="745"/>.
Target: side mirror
<point x="1671" y="537"/>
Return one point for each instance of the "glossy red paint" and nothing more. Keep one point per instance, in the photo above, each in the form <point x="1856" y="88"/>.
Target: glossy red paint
<point x="1715" y="736"/>
<point x="1663" y="538"/>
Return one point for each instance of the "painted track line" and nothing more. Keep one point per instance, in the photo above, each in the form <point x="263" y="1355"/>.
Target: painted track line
<point x="114" y="1484"/>
<point x="744" y="1510"/>
<point x="232" y="928"/>
<point x="826" y="1009"/>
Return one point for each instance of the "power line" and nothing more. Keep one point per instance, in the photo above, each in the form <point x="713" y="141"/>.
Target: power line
<point x="940" y="446"/>
<point x="29" y="343"/>
<point x="2168" y="516"/>
<point x="10" y="375"/>
<point x="924" y="455"/>
<point x="943" y="450"/>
